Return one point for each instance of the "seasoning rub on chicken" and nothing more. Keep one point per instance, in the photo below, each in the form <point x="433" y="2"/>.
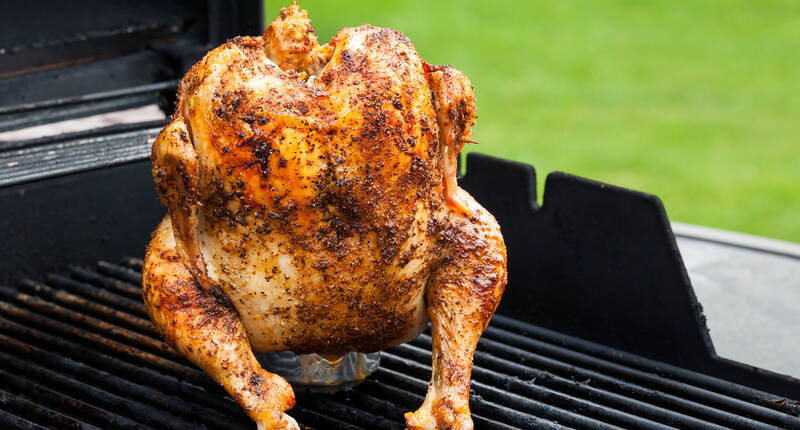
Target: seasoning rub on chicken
<point x="313" y="207"/>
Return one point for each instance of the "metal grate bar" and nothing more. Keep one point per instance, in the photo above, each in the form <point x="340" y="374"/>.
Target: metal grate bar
<point x="318" y="420"/>
<point x="134" y="263"/>
<point x="42" y="413"/>
<point x="12" y="421"/>
<point x="114" y="383"/>
<point x="124" y="273"/>
<point x="145" y="414"/>
<point x="489" y="393"/>
<point x="406" y="401"/>
<point x="582" y="387"/>
<point x="331" y="406"/>
<point x="106" y="344"/>
<point x="484" y="377"/>
<point x="517" y="348"/>
<point x="384" y="408"/>
<point x="103" y="295"/>
<point x="76" y="407"/>
<point x="77" y="100"/>
<point x="90" y="329"/>
<point x="479" y="406"/>
<point x="748" y="395"/>
<point x="119" y="287"/>
<point x="161" y="381"/>
<point x="88" y="306"/>
<point x="121" y="333"/>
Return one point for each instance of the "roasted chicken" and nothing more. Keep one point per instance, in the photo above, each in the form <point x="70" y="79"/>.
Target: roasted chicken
<point x="313" y="207"/>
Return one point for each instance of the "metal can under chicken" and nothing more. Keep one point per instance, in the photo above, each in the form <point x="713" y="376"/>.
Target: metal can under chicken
<point x="315" y="373"/>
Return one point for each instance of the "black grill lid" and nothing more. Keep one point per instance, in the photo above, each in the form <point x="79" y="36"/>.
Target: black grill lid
<point x="54" y="52"/>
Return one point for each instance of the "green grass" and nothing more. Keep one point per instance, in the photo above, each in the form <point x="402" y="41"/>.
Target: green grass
<point x="697" y="102"/>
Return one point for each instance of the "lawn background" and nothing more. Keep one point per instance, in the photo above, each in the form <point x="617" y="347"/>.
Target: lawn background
<point x="697" y="101"/>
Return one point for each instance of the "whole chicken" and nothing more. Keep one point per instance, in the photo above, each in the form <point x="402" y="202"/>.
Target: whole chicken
<point x="313" y="207"/>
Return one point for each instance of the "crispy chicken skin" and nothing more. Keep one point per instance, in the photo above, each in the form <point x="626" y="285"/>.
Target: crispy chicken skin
<point x="313" y="207"/>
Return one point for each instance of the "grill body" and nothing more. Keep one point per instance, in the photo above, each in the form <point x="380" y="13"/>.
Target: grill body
<point x="78" y="350"/>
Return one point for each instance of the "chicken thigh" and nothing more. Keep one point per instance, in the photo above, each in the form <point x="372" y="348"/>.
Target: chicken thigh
<point x="313" y="207"/>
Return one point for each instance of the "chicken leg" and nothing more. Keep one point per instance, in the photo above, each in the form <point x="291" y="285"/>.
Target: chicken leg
<point x="204" y="327"/>
<point x="462" y="297"/>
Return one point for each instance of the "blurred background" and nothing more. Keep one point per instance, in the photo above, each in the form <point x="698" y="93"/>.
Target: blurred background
<point x="697" y="101"/>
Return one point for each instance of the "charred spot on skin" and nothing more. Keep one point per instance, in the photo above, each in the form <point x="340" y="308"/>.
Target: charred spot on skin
<point x="254" y="119"/>
<point x="347" y="58"/>
<point x="302" y="107"/>
<point x="352" y="62"/>
<point x="170" y="256"/>
<point x="246" y="42"/>
<point x="217" y="202"/>
<point x="381" y="37"/>
<point x="389" y="241"/>
<point x="229" y="104"/>
<point x="255" y="380"/>
<point x="261" y="149"/>
<point x="220" y="298"/>
<point x="263" y="228"/>
<point x="419" y="172"/>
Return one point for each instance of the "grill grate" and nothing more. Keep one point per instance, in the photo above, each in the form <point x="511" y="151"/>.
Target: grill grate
<point x="78" y="352"/>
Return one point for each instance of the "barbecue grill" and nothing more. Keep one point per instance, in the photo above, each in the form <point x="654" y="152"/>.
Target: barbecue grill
<point x="599" y="327"/>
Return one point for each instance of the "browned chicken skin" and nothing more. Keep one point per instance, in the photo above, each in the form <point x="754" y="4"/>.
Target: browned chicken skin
<point x="313" y="207"/>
